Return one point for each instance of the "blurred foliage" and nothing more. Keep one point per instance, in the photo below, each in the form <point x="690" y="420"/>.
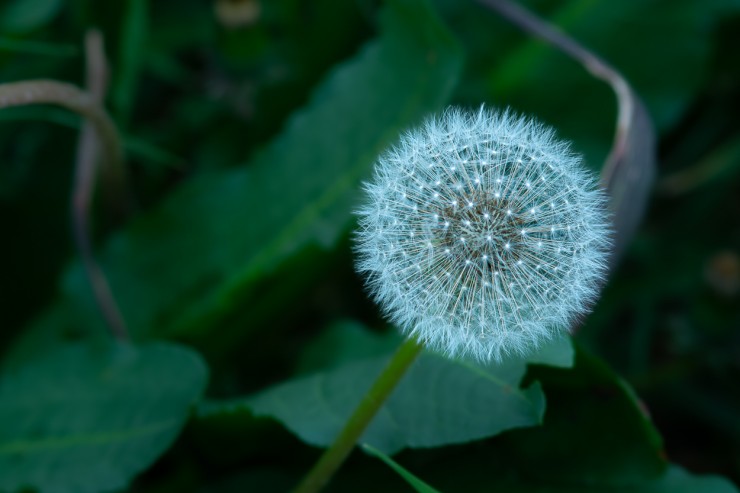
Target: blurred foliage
<point x="249" y="126"/>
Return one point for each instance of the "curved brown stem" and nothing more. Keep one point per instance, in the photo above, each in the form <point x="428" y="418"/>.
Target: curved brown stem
<point x="98" y="135"/>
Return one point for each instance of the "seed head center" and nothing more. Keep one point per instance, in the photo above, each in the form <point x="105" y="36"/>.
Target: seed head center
<point x="483" y="230"/>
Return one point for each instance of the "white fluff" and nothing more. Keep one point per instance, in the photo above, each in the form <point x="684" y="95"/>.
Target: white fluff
<point x="482" y="235"/>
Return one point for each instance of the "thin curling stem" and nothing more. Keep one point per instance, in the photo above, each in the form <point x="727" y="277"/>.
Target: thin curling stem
<point x="43" y="91"/>
<point x="532" y="24"/>
<point x="88" y="150"/>
<point x="322" y="472"/>
<point x="99" y="125"/>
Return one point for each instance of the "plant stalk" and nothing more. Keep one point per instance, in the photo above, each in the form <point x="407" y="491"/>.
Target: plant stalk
<point x="322" y="472"/>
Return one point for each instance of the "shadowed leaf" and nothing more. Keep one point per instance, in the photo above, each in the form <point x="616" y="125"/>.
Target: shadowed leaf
<point x="198" y="256"/>
<point x="415" y="482"/>
<point x="438" y="402"/>
<point x="83" y="420"/>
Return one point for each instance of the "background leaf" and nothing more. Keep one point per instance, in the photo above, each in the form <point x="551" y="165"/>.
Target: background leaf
<point x="131" y="55"/>
<point x="84" y="420"/>
<point x="27" y="15"/>
<point x="213" y="110"/>
<point x="250" y="219"/>
<point x="629" y="170"/>
<point x="344" y="342"/>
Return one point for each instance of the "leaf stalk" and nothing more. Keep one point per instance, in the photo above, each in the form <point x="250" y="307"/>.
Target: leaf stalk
<point x="322" y="472"/>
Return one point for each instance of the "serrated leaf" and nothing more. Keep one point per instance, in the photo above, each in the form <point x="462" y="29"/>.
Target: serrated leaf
<point x="438" y="402"/>
<point x="315" y="407"/>
<point x="198" y="256"/>
<point x="84" y="420"/>
<point x="418" y="485"/>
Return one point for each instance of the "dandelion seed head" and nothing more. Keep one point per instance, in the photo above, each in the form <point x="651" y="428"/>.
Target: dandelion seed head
<point x="482" y="235"/>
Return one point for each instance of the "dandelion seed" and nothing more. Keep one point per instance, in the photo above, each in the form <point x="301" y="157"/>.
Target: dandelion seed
<point x="484" y="293"/>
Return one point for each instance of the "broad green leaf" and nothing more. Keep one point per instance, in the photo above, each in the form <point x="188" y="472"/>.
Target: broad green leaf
<point x="199" y="255"/>
<point x="315" y="407"/>
<point x="344" y="342"/>
<point x="438" y="402"/>
<point x="81" y="419"/>
<point x="418" y="485"/>
<point x="230" y="430"/>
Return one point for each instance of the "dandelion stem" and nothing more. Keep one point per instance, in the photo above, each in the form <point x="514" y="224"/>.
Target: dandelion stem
<point x="334" y="456"/>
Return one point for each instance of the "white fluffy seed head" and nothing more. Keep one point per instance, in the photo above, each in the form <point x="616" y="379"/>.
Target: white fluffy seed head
<point x="482" y="235"/>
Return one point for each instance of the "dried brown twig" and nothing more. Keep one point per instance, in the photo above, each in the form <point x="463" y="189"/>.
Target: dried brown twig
<point x="629" y="170"/>
<point x="98" y="136"/>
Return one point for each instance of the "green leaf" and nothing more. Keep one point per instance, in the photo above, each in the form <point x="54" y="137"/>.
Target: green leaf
<point x="351" y="356"/>
<point x="27" y="15"/>
<point x="348" y="340"/>
<point x="596" y="436"/>
<point x="134" y="31"/>
<point x="665" y="37"/>
<point x="232" y="434"/>
<point x="438" y="402"/>
<point x="677" y="480"/>
<point x="415" y="482"/>
<point x="558" y="353"/>
<point x="82" y="419"/>
<point x="597" y="429"/>
<point x="29" y="47"/>
<point x="198" y="256"/>
<point x="344" y="342"/>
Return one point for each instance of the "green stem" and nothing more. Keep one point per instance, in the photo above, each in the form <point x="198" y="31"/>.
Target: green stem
<point x="335" y="455"/>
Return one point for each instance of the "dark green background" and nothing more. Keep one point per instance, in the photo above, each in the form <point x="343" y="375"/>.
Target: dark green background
<point x="245" y="147"/>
